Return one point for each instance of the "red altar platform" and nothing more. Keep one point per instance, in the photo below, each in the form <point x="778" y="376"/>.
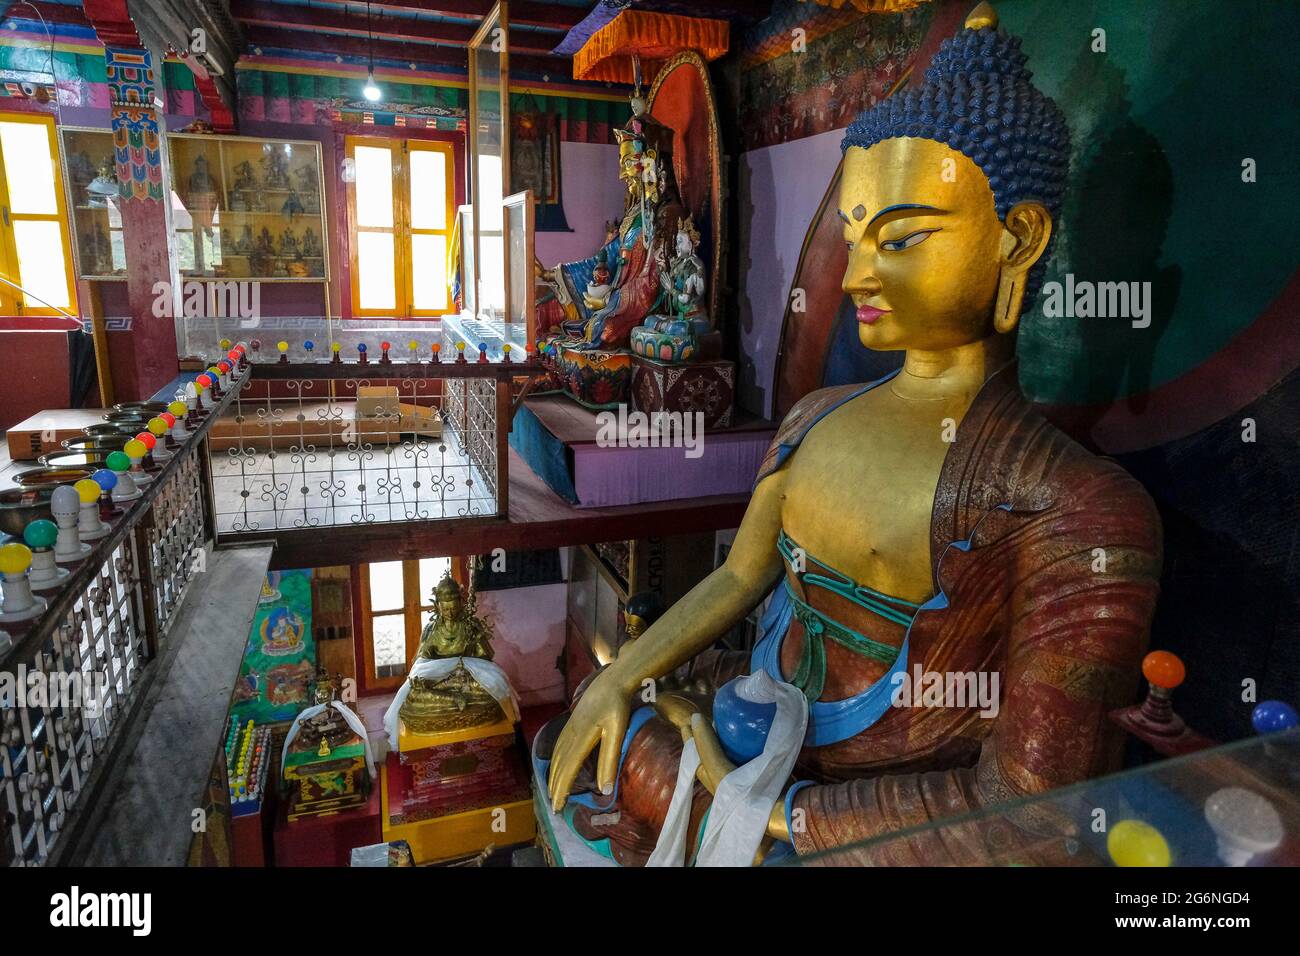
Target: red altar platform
<point x="327" y="840"/>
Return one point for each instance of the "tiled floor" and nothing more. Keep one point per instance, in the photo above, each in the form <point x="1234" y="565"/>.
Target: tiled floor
<point x="415" y="480"/>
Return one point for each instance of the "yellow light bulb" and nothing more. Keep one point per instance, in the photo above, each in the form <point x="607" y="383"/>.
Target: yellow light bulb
<point x="88" y="489"/>
<point x="335" y="346"/>
<point x="15" y="558"/>
<point x="135" y="448"/>
<point x="1134" y="843"/>
<point x="158" y="426"/>
<point x="282" y="346"/>
<point x="178" y="409"/>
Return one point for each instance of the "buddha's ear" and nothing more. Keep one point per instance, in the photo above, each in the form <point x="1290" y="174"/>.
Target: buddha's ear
<point x="1025" y="234"/>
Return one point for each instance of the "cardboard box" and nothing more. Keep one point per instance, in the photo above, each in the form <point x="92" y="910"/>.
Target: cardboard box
<point x="45" y="431"/>
<point x="377" y="401"/>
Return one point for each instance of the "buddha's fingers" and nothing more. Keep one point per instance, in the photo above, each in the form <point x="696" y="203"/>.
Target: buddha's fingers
<point x="565" y="763"/>
<point x="611" y="748"/>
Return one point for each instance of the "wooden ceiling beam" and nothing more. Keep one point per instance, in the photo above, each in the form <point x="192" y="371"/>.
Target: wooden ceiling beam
<point x="520" y="11"/>
<point x="421" y="54"/>
<point x="393" y="29"/>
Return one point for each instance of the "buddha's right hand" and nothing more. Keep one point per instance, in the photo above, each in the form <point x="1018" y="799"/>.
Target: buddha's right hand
<point x="599" y="717"/>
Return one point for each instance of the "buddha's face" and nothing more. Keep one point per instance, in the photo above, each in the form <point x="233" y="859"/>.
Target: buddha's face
<point x="448" y="607"/>
<point x="629" y="165"/>
<point x="924" y="245"/>
<point x="635" y="626"/>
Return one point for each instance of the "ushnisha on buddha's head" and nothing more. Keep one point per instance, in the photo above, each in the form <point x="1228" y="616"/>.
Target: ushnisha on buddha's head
<point x="949" y="195"/>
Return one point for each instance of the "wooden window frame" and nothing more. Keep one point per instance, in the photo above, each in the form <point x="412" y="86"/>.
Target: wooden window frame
<point x="11" y="301"/>
<point x="402" y="231"/>
<point x="414" y="606"/>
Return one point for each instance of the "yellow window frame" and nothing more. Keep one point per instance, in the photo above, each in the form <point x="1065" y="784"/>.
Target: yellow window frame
<point x="13" y="302"/>
<point x="401" y="231"/>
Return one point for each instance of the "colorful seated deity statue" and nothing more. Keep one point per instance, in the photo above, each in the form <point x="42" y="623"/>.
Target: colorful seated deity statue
<point x="326" y="761"/>
<point x="959" y="593"/>
<point x="586" y="310"/>
<point x="675" y="337"/>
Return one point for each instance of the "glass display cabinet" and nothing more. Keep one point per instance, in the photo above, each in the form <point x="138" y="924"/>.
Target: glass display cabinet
<point x="88" y="159"/>
<point x="1229" y="805"/>
<point x="493" y="219"/>
<point x="246" y="208"/>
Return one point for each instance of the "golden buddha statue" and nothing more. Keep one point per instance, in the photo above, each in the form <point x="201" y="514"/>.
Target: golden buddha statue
<point x="930" y="522"/>
<point x="454" y="700"/>
<point x="455" y="629"/>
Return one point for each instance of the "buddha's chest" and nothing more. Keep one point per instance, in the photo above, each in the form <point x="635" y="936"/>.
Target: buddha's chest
<point x="860" y="490"/>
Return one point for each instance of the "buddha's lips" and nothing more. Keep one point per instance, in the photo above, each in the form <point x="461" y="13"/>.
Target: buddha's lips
<point x="869" y="313"/>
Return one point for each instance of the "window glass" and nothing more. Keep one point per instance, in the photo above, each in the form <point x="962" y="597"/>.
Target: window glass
<point x="376" y="279"/>
<point x="428" y="189"/>
<point x="42" y="269"/>
<point x="374" y="168"/>
<point x="386" y="586"/>
<point x="26" y="151"/>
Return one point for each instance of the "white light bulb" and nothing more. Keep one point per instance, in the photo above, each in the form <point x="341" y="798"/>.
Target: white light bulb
<point x="371" y="91"/>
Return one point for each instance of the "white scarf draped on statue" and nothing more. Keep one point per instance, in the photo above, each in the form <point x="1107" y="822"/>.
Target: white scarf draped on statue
<point x="492" y="678"/>
<point x="352" y="720"/>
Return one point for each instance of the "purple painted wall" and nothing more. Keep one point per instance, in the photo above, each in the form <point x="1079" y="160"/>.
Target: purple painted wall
<point x="780" y="189"/>
<point x="592" y="194"/>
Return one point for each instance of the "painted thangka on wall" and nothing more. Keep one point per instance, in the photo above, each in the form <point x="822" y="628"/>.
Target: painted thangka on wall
<point x="280" y="657"/>
<point x="807" y="69"/>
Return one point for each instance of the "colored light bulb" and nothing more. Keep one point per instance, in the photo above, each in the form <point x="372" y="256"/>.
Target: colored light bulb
<point x="118" y="461"/>
<point x="308" y="345"/>
<point x="178" y="408"/>
<point x="168" y="418"/>
<point x="361" y="346"/>
<point x="203" y="381"/>
<point x="1271" y="716"/>
<point x="224" y="343"/>
<point x="147" y="440"/>
<point x="15" y="558"/>
<point x="1135" y="843"/>
<point x="41" y="533"/>
<point x="460" y="346"/>
<point x="135" y="448"/>
<point x="1163" y="669"/>
<point x="223" y="366"/>
<point x="88" y="490"/>
<point x="413" y="345"/>
<point x="385" y="346"/>
<point x="282" y="346"/>
<point x="65" y="502"/>
<point x="335" y="346"/>
<point x="106" y="480"/>
<point x="158" y="426"/>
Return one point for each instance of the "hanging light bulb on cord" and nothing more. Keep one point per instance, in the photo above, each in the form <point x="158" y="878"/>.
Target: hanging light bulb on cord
<point x="370" y="90"/>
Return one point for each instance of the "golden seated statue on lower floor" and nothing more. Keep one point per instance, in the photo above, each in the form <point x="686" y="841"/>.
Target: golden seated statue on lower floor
<point x="455" y="700"/>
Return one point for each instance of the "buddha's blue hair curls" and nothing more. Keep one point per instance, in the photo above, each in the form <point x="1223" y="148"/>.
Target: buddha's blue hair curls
<point x="977" y="99"/>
